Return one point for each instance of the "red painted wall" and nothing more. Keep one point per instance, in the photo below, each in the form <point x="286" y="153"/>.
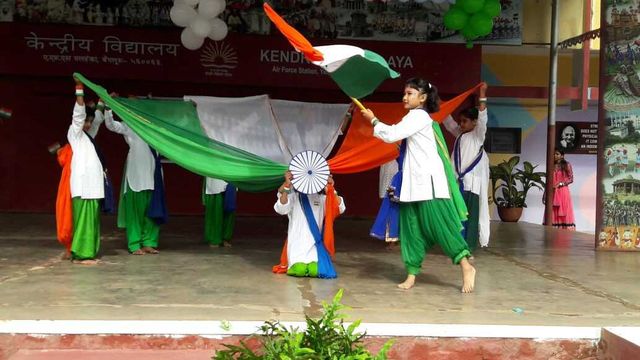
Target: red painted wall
<point x="42" y="103"/>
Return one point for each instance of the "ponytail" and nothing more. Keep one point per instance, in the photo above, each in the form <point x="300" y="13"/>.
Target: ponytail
<point x="432" y="104"/>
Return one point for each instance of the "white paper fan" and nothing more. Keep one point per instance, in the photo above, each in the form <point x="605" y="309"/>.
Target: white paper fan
<point x="310" y="172"/>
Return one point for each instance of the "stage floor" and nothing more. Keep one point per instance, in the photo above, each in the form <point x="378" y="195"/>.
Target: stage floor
<point x="530" y="275"/>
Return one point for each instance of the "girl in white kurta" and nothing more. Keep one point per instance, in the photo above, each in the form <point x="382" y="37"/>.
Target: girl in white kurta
<point x="138" y="185"/>
<point x="471" y="164"/>
<point x="302" y="254"/>
<point x="427" y="213"/>
<point x="218" y="223"/>
<point x="87" y="183"/>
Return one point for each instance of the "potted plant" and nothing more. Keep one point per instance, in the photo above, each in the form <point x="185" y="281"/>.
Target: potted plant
<point x="514" y="184"/>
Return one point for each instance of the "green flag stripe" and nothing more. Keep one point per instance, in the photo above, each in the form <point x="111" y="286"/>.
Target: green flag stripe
<point x="173" y="129"/>
<point x="360" y="76"/>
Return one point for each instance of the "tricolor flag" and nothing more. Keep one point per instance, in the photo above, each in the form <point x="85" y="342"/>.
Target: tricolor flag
<point x="5" y="113"/>
<point x="357" y="72"/>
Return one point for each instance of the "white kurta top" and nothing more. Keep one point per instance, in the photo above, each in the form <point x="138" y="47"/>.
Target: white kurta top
<point x="477" y="180"/>
<point x="470" y="144"/>
<point x="140" y="164"/>
<point x="301" y="247"/>
<point x="423" y="176"/>
<point x="214" y="186"/>
<point x="87" y="177"/>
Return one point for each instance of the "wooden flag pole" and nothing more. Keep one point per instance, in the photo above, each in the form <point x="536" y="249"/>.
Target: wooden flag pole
<point x="358" y="103"/>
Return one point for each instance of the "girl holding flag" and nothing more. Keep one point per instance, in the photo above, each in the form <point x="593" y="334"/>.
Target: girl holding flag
<point x="142" y="204"/>
<point x="428" y="215"/>
<point x="307" y="254"/>
<point x="87" y="182"/>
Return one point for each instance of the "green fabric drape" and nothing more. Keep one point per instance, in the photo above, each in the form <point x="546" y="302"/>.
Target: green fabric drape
<point x="172" y="127"/>
<point x="452" y="180"/>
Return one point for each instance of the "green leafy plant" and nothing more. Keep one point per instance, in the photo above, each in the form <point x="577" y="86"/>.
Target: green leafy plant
<point x="514" y="183"/>
<point x="324" y="339"/>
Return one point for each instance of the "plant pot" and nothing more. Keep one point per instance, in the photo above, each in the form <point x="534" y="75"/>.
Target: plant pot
<point x="509" y="214"/>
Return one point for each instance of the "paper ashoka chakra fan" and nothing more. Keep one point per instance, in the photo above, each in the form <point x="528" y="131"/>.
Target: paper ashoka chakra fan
<point x="310" y="172"/>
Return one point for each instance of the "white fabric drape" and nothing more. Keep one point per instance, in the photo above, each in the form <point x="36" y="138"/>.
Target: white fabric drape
<point x="308" y="126"/>
<point x="274" y="129"/>
<point x="245" y="123"/>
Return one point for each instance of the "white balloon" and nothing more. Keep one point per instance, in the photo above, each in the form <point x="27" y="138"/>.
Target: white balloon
<point x="190" y="40"/>
<point x="182" y="15"/>
<point x="222" y="4"/>
<point x="200" y="26"/>
<point x="219" y="30"/>
<point x="191" y="3"/>
<point x="209" y="8"/>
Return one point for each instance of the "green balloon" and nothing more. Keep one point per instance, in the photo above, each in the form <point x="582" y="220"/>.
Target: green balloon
<point x="469" y="33"/>
<point x="481" y="24"/>
<point x="455" y="19"/>
<point x="471" y="6"/>
<point x="492" y="8"/>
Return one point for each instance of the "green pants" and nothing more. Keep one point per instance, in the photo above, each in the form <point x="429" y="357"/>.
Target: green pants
<point x="141" y="230"/>
<point x="424" y="224"/>
<point x="218" y="225"/>
<point x="86" y="228"/>
<point x="471" y="230"/>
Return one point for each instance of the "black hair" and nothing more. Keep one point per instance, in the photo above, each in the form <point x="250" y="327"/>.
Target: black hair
<point x="432" y="104"/>
<point x="470" y="113"/>
<point x="564" y="165"/>
<point x="91" y="113"/>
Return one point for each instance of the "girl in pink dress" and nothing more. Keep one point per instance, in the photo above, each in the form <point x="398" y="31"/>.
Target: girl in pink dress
<point x="562" y="205"/>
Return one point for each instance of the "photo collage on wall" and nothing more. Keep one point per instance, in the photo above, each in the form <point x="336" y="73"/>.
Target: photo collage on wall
<point x="620" y="220"/>
<point x="383" y="20"/>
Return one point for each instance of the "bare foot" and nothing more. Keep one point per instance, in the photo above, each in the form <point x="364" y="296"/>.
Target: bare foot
<point x="138" y="252"/>
<point x="150" y="250"/>
<point x="65" y="255"/>
<point x="409" y="283"/>
<point x="468" y="276"/>
<point x="85" y="262"/>
<point x="227" y="244"/>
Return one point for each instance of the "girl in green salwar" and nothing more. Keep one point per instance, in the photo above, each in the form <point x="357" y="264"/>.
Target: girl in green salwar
<point x="431" y="207"/>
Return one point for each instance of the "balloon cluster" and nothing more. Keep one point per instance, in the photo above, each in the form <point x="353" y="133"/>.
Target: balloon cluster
<point x="473" y="18"/>
<point x="200" y="20"/>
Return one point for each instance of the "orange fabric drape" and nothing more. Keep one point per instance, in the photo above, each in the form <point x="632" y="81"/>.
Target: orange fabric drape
<point x="331" y="212"/>
<point x="363" y="157"/>
<point x="297" y="40"/>
<point x="64" y="210"/>
<point x="283" y="266"/>
<point x="391" y="113"/>
<point x="360" y="130"/>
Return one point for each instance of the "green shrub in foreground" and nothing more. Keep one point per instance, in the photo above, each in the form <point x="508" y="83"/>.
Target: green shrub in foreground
<point x="324" y="339"/>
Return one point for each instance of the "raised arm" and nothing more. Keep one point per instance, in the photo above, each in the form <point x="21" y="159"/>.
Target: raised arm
<point x="79" y="112"/>
<point x="283" y="205"/>
<point x="452" y="126"/>
<point x="113" y="125"/>
<point x="341" y="204"/>
<point x="480" y="130"/>
<point x="410" y="124"/>
<point x="98" y="119"/>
